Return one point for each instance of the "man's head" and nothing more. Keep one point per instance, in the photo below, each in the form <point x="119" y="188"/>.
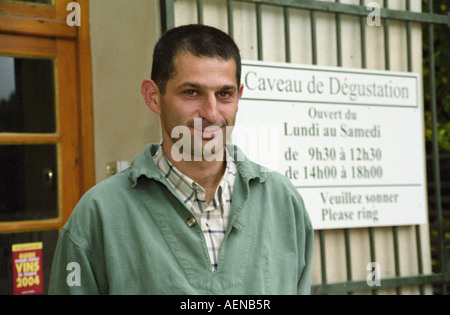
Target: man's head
<point x="196" y="39"/>
<point x="195" y="88"/>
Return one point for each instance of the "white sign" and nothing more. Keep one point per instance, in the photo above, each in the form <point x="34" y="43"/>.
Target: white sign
<point x="351" y="141"/>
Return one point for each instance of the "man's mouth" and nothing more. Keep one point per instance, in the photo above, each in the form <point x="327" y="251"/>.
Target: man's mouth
<point x="209" y="132"/>
<point x="205" y="130"/>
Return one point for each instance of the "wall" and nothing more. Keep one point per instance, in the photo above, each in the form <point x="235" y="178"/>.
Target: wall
<point x="123" y="34"/>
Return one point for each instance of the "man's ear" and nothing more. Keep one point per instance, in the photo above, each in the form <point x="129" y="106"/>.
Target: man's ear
<point x="151" y="95"/>
<point x="241" y="90"/>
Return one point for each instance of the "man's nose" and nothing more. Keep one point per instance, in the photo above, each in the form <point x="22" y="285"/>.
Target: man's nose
<point x="209" y="109"/>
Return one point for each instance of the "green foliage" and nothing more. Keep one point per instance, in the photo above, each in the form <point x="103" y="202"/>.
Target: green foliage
<point x="442" y="78"/>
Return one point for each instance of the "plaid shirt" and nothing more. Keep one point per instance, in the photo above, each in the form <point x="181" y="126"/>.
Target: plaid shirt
<point x="213" y="217"/>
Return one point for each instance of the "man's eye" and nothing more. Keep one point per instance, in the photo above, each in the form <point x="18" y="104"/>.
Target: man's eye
<point x="225" y="94"/>
<point x="191" y="92"/>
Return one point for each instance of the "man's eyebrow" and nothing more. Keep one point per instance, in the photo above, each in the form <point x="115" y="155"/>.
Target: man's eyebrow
<point x="192" y="84"/>
<point x="226" y="87"/>
<point x="229" y="87"/>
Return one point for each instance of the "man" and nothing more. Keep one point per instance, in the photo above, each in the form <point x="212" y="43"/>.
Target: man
<point x="191" y="215"/>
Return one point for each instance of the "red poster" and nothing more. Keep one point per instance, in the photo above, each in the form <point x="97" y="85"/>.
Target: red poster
<point x="27" y="268"/>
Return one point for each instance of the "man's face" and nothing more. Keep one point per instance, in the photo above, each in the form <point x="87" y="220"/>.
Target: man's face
<point x="203" y="96"/>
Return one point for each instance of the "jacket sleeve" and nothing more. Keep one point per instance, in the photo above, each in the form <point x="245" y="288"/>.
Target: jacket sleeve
<point x="71" y="269"/>
<point x="304" y="281"/>
<point x="306" y="235"/>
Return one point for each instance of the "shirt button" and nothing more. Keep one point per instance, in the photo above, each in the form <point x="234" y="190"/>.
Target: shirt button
<point x="191" y="222"/>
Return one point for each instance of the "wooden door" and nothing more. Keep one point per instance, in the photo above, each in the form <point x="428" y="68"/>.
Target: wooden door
<point x="46" y="151"/>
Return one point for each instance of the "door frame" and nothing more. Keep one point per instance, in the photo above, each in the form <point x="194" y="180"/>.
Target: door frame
<point x="29" y="30"/>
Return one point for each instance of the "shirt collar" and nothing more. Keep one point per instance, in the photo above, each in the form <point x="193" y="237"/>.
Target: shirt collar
<point x="180" y="181"/>
<point x="144" y="165"/>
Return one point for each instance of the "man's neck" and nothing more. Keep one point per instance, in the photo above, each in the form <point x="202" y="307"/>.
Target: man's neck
<point x="205" y="173"/>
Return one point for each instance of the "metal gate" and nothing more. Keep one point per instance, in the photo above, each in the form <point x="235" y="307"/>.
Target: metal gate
<point x="440" y="277"/>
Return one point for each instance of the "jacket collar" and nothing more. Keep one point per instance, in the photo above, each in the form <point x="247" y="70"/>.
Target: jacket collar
<point x="143" y="165"/>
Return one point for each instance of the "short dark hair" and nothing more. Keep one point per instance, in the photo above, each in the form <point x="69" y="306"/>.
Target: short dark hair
<point x="196" y="39"/>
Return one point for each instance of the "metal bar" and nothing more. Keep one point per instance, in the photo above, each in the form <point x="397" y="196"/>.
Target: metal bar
<point x="388" y="67"/>
<point x="230" y="18"/>
<point x="363" y="39"/>
<point x="359" y="10"/>
<point x="372" y="251"/>
<point x="167" y="14"/>
<point x="323" y="262"/>
<point x="287" y="35"/>
<point x="408" y="38"/>
<point x="417" y="227"/>
<point x="419" y="257"/>
<point x="200" y="18"/>
<point x="313" y="37"/>
<point x="435" y="152"/>
<point x="338" y="38"/>
<point x="348" y="259"/>
<point x="404" y="281"/>
<point x="362" y="22"/>
<point x="259" y="30"/>
<point x="396" y="257"/>
<point x="386" y="41"/>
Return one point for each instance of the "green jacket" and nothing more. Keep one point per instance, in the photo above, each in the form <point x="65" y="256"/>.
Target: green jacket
<point x="129" y="235"/>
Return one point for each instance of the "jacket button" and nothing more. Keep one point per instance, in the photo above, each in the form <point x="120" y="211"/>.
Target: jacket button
<point x="191" y="222"/>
